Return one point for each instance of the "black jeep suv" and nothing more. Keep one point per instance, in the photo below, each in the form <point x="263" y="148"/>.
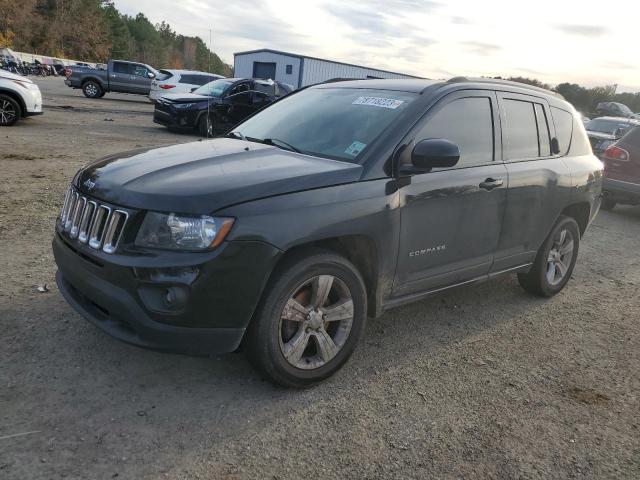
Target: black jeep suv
<point x="332" y="205"/>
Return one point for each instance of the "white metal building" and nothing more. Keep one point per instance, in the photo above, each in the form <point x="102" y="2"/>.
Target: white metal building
<point x="300" y="70"/>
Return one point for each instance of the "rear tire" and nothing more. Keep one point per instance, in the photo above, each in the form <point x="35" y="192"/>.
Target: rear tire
<point x="608" y="204"/>
<point x="92" y="90"/>
<point x="309" y="320"/>
<point x="10" y="111"/>
<point x="205" y="126"/>
<point x="556" y="258"/>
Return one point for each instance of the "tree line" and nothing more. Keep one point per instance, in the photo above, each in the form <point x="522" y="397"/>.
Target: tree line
<point x="585" y="99"/>
<point x="95" y="31"/>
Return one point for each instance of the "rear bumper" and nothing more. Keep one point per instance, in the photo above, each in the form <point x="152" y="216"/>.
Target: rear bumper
<point x="220" y="298"/>
<point x="621" y="191"/>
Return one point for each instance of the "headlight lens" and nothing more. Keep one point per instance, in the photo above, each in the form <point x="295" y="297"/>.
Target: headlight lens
<point x="181" y="232"/>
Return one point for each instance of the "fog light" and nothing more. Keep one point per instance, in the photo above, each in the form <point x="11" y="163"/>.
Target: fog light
<point x="163" y="298"/>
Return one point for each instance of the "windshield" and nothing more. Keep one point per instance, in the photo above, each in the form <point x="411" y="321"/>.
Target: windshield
<point x="213" y="89"/>
<point x="606" y="126"/>
<point x="337" y="123"/>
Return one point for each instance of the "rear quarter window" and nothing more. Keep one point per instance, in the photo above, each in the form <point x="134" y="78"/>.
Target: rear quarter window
<point x="563" y="121"/>
<point x="580" y="144"/>
<point x="164" y="75"/>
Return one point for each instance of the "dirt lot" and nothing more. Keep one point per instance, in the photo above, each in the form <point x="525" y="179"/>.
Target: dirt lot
<point x="484" y="381"/>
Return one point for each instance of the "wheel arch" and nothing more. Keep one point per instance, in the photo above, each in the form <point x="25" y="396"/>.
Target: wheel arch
<point x="94" y="80"/>
<point x="17" y="98"/>
<point x="360" y="250"/>
<point x="580" y="212"/>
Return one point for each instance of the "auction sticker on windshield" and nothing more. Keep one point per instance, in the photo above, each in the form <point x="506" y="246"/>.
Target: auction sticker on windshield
<point x="391" y="103"/>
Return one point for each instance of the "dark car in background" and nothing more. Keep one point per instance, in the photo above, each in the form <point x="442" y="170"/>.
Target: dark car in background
<point x="614" y="109"/>
<point x="622" y="171"/>
<point x="217" y="106"/>
<point x="604" y="131"/>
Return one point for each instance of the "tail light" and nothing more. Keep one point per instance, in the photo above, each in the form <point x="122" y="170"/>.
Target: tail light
<point x="616" y="153"/>
<point x="166" y="87"/>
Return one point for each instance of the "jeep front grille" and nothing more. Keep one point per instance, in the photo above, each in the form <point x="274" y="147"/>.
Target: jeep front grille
<point x="89" y="221"/>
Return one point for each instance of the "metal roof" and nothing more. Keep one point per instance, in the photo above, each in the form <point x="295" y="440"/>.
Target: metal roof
<point x="296" y="55"/>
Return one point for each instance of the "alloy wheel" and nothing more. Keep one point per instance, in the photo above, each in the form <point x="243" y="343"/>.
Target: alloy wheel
<point x="7" y="113"/>
<point x="316" y="321"/>
<point x="91" y="90"/>
<point x="560" y="257"/>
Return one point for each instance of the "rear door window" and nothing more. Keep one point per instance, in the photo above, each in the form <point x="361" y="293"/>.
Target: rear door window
<point x="467" y="122"/>
<point x="543" y="130"/>
<point x="123" y="68"/>
<point x="519" y="130"/>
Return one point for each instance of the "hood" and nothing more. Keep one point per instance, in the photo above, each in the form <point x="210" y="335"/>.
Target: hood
<point x="13" y="76"/>
<point x="601" y="135"/>
<point x="186" y="97"/>
<point x="205" y="176"/>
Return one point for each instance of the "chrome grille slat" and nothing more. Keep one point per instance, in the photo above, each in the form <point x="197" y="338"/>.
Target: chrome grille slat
<point x="65" y="206"/>
<point x="99" y="226"/>
<point x="70" y="211"/>
<point x="89" y="221"/>
<point x="118" y="219"/>
<point x="85" y="223"/>
<point x="81" y="204"/>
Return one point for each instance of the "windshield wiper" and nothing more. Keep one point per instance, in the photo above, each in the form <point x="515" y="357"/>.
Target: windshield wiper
<point x="281" y="144"/>
<point x="236" y="134"/>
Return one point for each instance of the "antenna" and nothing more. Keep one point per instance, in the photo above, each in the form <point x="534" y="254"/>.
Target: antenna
<point x="209" y="99"/>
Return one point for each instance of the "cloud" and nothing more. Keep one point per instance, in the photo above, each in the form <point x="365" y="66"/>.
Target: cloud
<point x="583" y="30"/>
<point x="461" y="21"/>
<point x="617" y="65"/>
<point x="481" y="48"/>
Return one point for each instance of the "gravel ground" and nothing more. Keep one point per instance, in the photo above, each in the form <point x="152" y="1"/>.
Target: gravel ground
<point x="484" y="381"/>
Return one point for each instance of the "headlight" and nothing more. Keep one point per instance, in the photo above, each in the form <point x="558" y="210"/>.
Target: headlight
<point x="180" y="232"/>
<point x="183" y="105"/>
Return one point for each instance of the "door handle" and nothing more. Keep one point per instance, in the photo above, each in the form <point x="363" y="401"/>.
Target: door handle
<point x="491" y="183"/>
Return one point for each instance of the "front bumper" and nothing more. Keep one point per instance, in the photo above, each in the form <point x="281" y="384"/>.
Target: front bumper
<point x="119" y="297"/>
<point x="173" y="118"/>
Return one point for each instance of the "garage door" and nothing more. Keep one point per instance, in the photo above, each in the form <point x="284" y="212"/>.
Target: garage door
<point x="264" y="70"/>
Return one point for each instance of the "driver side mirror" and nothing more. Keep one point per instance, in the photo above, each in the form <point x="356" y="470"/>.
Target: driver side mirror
<point x="193" y="89"/>
<point x="433" y="153"/>
<point x="151" y="75"/>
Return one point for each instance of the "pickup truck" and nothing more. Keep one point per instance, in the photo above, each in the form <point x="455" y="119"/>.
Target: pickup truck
<point x="119" y="76"/>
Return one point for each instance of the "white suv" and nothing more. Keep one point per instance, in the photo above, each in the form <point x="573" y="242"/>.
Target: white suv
<point x="179" y="81"/>
<point x="19" y="98"/>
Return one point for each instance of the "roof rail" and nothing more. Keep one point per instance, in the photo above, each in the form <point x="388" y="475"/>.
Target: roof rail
<point x="504" y="82"/>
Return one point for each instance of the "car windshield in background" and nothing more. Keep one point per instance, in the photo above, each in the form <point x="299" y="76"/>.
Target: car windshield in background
<point x="213" y="89"/>
<point x="606" y="126"/>
<point x="337" y="123"/>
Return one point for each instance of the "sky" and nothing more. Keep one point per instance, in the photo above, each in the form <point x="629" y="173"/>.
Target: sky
<point x="555" y="41"/>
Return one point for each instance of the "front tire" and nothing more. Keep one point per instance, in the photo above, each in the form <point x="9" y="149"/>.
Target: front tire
<point x="555" y="261"/>
<point x="205" y="126"/>
<point x="92" y="90"/>
<point x="10" y="111"/>
<point x="309" y="321"/>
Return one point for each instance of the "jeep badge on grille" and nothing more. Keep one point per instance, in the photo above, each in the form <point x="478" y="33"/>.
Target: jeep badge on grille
<point x="89" y="184"/>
